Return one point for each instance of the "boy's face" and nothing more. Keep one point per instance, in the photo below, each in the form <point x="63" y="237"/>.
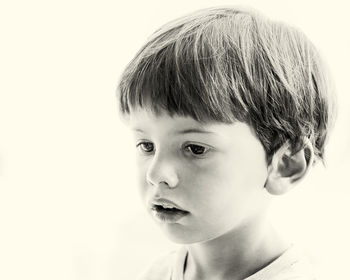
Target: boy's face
<point x="212" y="175"/>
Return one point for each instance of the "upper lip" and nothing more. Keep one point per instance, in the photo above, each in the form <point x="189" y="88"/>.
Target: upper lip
<point x="166" y="203"/>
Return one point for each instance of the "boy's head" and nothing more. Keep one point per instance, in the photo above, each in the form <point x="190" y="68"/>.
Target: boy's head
<point x="227" y="65"/>
<point x="227" y="107"/>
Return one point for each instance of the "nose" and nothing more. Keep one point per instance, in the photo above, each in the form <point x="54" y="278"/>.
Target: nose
<point x="162" y="171"/>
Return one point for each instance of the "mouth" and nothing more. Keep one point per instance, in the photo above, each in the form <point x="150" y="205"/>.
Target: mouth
<point x="167" y="211"/>
<point x="162" y="208"/>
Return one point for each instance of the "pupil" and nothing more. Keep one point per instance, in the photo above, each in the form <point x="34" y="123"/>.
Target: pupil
<point x="147" y="147"/>
<point x="197" y="149"/>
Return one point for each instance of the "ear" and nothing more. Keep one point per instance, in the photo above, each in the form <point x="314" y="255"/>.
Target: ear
<point x="287" y="168"/>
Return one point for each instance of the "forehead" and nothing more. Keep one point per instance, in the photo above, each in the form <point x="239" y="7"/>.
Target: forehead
<point x="145" y="121"/>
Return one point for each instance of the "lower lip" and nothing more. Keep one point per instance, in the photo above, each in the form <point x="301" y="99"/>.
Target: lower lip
<point x="167" y="216"/>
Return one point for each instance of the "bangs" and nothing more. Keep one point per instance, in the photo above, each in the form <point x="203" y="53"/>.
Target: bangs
<point x="184" y="71"/>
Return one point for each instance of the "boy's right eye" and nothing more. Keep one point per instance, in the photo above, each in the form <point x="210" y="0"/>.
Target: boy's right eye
<point x="145" y="147"/>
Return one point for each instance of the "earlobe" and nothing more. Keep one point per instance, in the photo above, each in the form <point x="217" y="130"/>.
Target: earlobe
<point x="287" y="168"/>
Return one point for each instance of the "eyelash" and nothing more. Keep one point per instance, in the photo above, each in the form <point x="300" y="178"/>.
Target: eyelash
<point x="187" y="148"/>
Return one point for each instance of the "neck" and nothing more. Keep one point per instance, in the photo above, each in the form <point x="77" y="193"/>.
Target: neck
<point x="236" y="254"/>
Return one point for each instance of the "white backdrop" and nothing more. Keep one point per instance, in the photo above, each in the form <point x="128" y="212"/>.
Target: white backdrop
<point x="69" y="208"/>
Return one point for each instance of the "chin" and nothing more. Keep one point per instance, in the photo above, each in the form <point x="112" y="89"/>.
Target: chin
<point x="179" y="234"/>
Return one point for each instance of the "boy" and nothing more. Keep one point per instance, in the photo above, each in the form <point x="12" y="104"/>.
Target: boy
<point x="228" y="109"/>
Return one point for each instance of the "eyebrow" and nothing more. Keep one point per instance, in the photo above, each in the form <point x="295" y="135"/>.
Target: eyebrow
<point x="137" y="129"/>
<point x="194" y="130"/>
<point x="186" y="131"/>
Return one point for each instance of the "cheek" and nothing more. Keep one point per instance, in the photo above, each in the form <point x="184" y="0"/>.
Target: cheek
<point x="141" y="170"/>
<point x="228" y="183"/>
<point x="204" y="185"/>
<point x="246" y="165"/>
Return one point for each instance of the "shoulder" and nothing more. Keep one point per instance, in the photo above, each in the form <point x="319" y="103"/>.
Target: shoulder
<point x="291" y="265"/>
<point x="161" y="268"/>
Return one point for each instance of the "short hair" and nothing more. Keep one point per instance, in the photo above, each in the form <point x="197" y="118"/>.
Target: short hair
<point x="229" y="64"/>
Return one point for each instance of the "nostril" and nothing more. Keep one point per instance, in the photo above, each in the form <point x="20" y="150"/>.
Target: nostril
<point x="163" y="184"/>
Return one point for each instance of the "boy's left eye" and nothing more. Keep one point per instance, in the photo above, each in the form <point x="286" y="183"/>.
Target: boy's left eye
<point x="196" y="149"/>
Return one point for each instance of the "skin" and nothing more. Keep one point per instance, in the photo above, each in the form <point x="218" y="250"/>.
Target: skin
<point x="216" y="172"/>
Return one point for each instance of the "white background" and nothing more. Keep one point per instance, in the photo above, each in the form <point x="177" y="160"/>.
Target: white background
<point x="69" y="208"/>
